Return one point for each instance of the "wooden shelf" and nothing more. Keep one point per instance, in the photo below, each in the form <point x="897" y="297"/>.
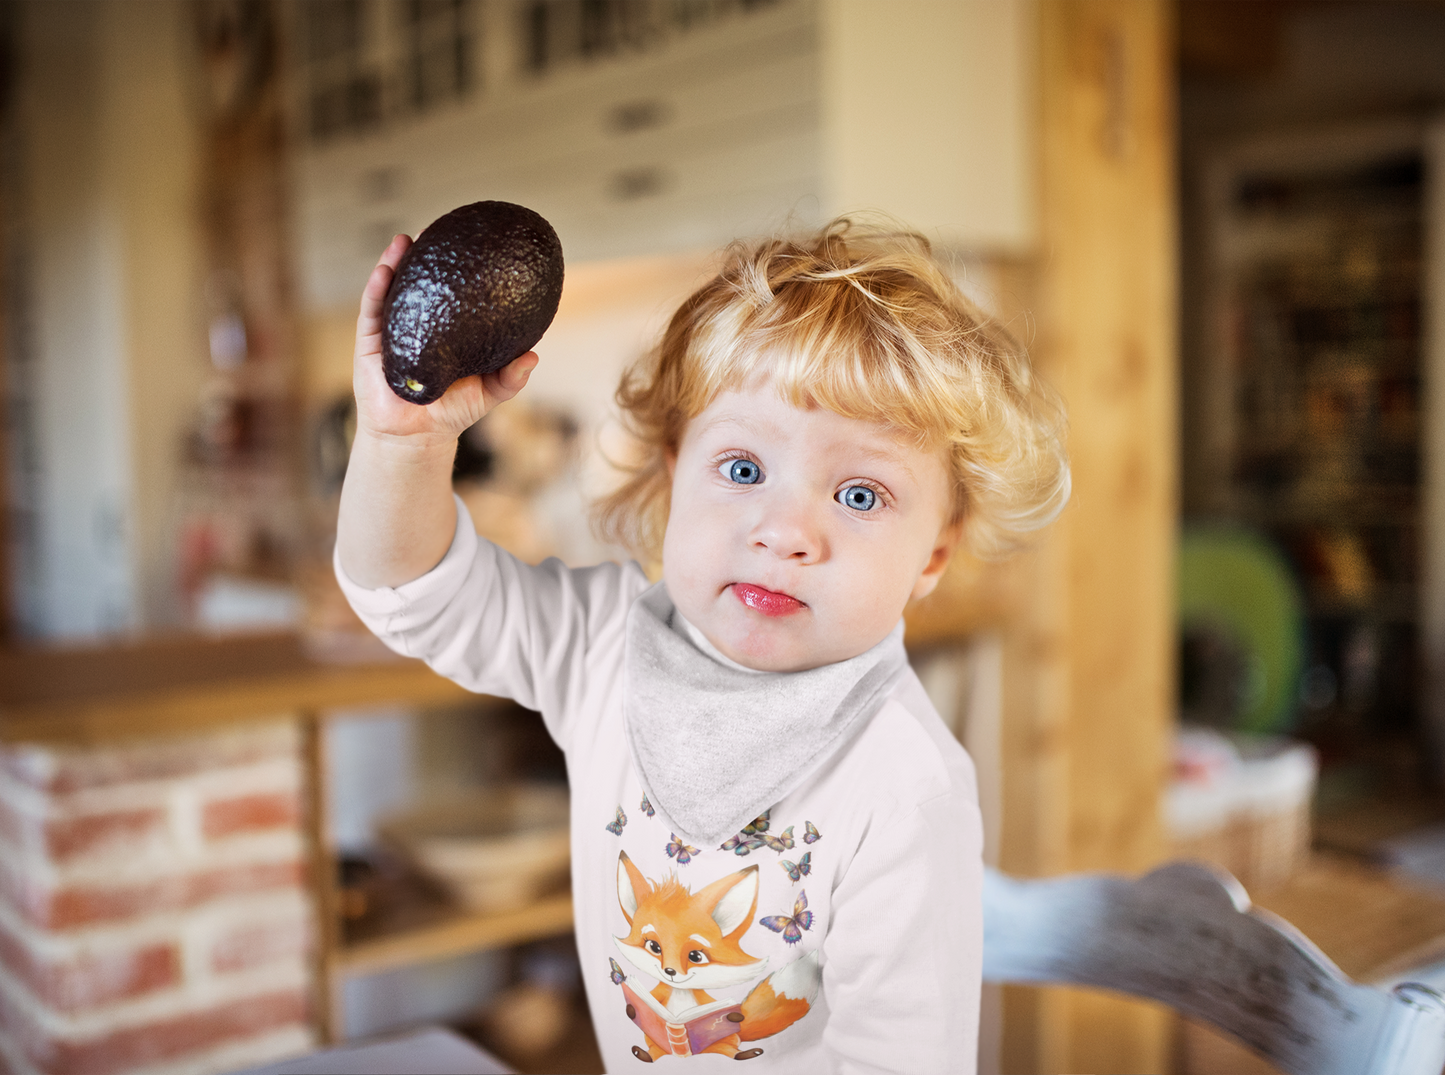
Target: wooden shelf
<point x="190" y="683"/>
<point x="454" y="934"/>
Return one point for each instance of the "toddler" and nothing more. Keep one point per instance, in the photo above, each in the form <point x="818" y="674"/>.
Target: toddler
<point x="776" y="845"/>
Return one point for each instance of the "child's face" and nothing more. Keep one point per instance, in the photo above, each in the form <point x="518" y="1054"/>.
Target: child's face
<point x="796" y="536"/>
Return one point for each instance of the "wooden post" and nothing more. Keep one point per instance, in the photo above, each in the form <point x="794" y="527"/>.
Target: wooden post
<point x="328" y="1016"/>
<point x="1089" y="663"/>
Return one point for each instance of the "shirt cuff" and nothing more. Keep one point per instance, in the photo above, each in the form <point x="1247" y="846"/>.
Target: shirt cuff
<point x="391" y="609"/>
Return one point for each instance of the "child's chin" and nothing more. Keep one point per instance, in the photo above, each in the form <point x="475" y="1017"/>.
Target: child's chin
<point x="763" y="647"/>
<point x="784" y="658"/>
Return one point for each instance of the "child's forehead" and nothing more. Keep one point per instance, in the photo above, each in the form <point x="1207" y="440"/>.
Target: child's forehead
<point x="765" y="408"/>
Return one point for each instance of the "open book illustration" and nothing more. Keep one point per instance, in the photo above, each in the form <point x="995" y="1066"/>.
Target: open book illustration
<point x="686" y="1032"/>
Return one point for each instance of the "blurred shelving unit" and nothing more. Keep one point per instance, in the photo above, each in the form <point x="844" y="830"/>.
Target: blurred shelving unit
<point x="1309" y="407"/>
<point x="428" y="930"/>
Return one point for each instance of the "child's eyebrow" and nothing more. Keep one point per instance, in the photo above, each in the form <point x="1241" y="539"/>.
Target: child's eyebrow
<point x="886" y="455"/>
<point x="892" y="453"/>
<point x="743" y="422"/>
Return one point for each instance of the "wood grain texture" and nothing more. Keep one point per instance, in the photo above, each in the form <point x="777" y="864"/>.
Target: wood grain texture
<point x="187" y="683"/>
<point x="457" y="934"/>
<point x="329" y="1014"/>
<point x="1372" y="925"/>
<point x="1089" y="665"/>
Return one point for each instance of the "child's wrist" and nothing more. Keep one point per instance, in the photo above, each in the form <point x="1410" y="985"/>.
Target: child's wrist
<point x="412" y="445"/>
<point x="419" y="459"/>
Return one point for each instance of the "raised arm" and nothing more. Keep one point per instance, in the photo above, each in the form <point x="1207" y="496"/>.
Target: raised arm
<point x="397" y="518"/>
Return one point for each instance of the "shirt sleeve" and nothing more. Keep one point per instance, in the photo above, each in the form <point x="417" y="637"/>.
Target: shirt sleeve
<point x="497" y="625"/>
<point x="904" y="953"/>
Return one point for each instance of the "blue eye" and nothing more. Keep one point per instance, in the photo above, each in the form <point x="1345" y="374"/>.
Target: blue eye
<point x="745" y="472"/>
<point x="858" y="497"/>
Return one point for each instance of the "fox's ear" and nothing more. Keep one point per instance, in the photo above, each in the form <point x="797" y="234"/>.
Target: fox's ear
<point x="737" y="898"/>
<point x="629" y="883"/>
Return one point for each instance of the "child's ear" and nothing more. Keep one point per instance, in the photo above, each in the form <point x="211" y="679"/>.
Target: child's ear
<point x="948" y="539"/>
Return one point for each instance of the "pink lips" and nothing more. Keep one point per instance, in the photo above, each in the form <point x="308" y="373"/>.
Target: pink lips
<point x="767" y="602"/>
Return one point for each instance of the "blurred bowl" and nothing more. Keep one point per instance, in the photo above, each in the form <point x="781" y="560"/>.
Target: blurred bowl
<point x="492" y="849"/>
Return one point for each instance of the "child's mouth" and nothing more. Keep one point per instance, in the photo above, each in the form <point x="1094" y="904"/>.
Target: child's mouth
<point x="767" y="602"/>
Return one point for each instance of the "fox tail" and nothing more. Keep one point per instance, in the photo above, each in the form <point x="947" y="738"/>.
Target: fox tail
<point x="781" y="999"/>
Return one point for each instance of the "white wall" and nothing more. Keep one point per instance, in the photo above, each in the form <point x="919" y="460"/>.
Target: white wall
<point x="108" y="339"/>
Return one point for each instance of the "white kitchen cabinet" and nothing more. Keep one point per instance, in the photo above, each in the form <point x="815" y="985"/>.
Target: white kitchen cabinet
<point x="769" y="114"/>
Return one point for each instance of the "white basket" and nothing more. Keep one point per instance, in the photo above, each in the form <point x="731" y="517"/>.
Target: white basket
<point x="490" y="848"/>
<point x="1253" y="816"/>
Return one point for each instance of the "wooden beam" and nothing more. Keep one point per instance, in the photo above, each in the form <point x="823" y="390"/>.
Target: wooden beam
<point x="1089" y="666"/>
<point x="187" y="684"/>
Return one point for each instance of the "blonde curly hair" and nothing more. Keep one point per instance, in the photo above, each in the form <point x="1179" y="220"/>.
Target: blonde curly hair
<point x="862" y="320"/>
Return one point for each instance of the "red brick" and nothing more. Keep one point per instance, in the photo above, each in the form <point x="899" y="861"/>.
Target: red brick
<point x="250" y="813"/>
<point x="61" y="836"/>
<point x="76" y="905"/>
<point x="89" y="980"/>
<point x="254" y="943"/>
<point x="165" y="1039"/>
<point x="67" y="769"/>
<point x="68" y="838"/>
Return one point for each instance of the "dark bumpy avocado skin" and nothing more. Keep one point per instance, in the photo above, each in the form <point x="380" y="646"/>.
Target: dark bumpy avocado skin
<point x="476" y="289"/>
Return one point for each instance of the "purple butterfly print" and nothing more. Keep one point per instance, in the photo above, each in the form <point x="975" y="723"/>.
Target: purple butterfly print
<point x="680" y="851"/>
<point x="647" y="807"/>
<point x="757" y="824"/>
<point x="812" y="835"/>
<point x="792" y="927"/>
<point x="615" y="826"/>
<point x="617" y="976"/>
<point x="779" y="843"/>
<point x="798" y="870"/>
<point x="742" y="843"/>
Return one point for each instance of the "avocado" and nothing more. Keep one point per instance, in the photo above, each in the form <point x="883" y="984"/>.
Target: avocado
<point x="478" y="288"/>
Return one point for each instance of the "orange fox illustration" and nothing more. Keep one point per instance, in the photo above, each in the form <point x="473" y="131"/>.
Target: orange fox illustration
<point x="691" y="942"/>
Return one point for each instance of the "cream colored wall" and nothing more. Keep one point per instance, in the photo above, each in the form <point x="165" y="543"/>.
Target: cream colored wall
<point x="76" y="574"/>
<point x="929" y="112"/>
<point x="150" y="145"/>
<point x="113" y="344"/>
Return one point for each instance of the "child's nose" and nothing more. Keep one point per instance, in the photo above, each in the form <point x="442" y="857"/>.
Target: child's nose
<point x="790" y="532"/>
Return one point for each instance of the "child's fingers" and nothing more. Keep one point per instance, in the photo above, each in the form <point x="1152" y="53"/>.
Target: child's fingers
<point x="511" y="378"/>
<point x="374" y="293"/>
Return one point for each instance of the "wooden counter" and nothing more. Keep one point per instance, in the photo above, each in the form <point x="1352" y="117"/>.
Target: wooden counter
<point x="189" y="683"/>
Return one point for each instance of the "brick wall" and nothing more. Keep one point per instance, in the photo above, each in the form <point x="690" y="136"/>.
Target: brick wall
<point x="154" y="914"/>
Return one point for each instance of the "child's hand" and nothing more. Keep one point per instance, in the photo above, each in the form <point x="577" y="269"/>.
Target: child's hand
<point x="382" y="413"/>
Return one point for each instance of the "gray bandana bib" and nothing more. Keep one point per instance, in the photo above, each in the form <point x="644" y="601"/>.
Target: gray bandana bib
<point x="716" y="744"/>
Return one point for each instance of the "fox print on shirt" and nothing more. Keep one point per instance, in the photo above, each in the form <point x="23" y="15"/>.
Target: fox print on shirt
<point x="686" y="940"/>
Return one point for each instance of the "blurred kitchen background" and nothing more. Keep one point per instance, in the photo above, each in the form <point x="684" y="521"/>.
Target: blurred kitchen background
<point x="232" y="827"/>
